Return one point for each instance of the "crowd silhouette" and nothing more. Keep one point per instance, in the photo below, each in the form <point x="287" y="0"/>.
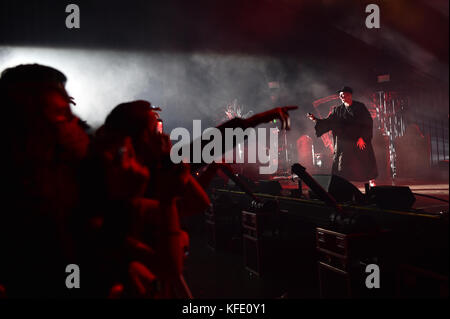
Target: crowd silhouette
<point x="107" y="201"/>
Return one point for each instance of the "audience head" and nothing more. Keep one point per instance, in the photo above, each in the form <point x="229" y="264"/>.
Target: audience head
<point x="33" y="91"/>
<point x="139" y="121"/>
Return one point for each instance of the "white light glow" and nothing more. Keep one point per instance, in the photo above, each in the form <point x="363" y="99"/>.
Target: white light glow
<point x="98" y="80"/>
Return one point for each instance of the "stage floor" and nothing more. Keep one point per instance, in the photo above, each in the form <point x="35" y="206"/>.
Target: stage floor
<point x="439" y="189"/>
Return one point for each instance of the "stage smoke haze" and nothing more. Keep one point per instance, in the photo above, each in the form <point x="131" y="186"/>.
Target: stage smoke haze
<point x="185" y="86"/>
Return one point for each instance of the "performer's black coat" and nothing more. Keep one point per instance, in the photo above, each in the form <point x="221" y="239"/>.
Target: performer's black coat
<point x="347" y="126"/>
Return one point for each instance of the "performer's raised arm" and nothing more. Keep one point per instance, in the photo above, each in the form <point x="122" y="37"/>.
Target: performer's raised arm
<point x="279" y="113"/>
<point x="323" y="125"/>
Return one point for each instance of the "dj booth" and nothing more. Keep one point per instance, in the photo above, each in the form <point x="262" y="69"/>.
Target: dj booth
<point x="305" y="242"/>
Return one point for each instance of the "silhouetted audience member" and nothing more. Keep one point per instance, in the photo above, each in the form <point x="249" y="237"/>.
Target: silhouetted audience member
<point x="136" y="193"/>
<point x="138" y="121"/>
<point x="111" y="206"/>
<point x="150" y="226"/>
<point x="43" y="146"/>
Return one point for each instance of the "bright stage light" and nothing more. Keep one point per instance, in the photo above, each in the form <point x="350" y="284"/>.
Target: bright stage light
<point x="98" y="80"/>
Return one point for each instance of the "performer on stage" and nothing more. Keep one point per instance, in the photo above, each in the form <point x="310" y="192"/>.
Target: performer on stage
<point x="351" y="125"/>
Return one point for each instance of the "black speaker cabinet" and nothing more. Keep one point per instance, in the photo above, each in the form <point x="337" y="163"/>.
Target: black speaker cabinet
<point x="259" y="241"/>
<point x="338" y="187"/>
<point x="392" y="197"/>
<point x="342" y="259"/>
<point x="269" y="187"/>
<point x="222" y="222"/>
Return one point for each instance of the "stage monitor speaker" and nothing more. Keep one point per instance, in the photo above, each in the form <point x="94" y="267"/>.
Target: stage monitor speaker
<point x="245" y="180"/>
<point x="338" y="187"/>
<point x="392" y="197"/>
<point x="269" y="187"/>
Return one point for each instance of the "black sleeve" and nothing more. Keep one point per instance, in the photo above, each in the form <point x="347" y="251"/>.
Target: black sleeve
<point x="324" y="125"/>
